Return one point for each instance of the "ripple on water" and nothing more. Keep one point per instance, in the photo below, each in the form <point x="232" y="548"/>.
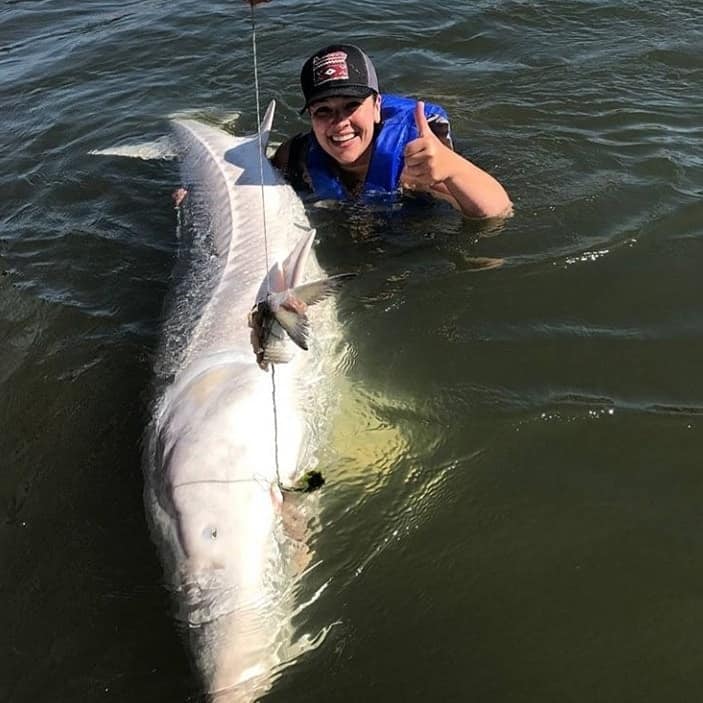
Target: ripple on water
<point x="494" y="420"/>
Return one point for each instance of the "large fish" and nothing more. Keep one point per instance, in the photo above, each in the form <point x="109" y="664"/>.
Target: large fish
<point x="211" y="485"/>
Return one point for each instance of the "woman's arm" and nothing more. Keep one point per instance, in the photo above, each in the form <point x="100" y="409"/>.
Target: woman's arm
<point x="432" y="166"/>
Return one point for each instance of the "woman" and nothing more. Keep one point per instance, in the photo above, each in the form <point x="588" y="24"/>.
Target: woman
<point x="367" y="145"/>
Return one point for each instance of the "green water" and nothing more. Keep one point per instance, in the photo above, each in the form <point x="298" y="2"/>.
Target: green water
<point x="512" y="510"/>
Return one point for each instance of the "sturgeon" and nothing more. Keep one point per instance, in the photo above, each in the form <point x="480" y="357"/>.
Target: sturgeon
<point x="211" y="485"/>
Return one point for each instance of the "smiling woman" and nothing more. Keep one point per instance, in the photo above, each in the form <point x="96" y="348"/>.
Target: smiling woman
<point x="344" y="128"/>
<point x="365" y="145"/>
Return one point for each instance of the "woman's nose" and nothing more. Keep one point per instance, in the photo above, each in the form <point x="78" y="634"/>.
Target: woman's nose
<point x="339" y="116"/>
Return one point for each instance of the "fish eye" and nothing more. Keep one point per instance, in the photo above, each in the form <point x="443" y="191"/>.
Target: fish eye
<point x="210" y="533"/>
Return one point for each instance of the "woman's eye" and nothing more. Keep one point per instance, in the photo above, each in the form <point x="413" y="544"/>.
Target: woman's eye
<point x="321" y="112"/>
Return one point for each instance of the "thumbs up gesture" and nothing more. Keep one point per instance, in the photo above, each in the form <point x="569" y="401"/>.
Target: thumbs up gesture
<point x="432" y="166"/>
<point x="428" y="162"/>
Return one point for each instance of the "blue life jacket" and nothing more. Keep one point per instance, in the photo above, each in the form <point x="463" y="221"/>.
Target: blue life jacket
<point x="397" y="128"/>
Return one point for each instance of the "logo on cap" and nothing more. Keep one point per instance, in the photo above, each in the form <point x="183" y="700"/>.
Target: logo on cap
<point x="330" y="67"/>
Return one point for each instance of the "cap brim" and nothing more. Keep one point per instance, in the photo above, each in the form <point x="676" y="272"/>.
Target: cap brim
<point x="348" y="91"/>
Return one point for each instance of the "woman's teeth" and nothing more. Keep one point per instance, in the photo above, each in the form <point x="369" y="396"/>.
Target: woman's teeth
<point x="343" y="138"/>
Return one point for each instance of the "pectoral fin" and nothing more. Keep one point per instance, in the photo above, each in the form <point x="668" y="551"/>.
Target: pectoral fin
<point x="313" y="292"/>
<point x="290" y="312"/>
<point x="295" y="324"/>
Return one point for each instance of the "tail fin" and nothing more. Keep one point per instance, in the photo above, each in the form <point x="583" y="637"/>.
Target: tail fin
<point x="161" y="149"/>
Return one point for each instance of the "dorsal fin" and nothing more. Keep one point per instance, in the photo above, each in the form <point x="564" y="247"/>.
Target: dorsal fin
<point x="266" y="123"/>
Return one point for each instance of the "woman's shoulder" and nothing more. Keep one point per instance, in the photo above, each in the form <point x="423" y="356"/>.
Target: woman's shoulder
<point x="289" y="151"/>
<point x="401" y="108"/>
<point x="289" y="158"/>
<point x="282" y="155"/>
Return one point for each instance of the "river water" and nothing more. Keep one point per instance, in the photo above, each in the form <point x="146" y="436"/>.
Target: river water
<point x="514" y="486"/>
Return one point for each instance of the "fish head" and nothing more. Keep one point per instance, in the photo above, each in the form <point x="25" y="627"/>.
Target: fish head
<point x="230" y="593"/>
<point x="219" y="526"/>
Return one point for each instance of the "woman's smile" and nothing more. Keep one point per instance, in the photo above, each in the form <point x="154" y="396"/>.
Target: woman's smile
<point x="344" y="128"/>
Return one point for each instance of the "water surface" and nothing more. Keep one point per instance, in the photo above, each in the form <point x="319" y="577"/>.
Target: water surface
<point x="513" y="502"/>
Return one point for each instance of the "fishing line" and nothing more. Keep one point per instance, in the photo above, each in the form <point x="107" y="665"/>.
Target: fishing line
<point x="275" y="426"/>
<point x="261" y="146"/>
<point x="313" y="479"/>
<point x="266" y="246"/>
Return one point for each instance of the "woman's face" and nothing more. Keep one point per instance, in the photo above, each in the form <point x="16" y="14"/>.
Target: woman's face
<point x="344" y="127"/>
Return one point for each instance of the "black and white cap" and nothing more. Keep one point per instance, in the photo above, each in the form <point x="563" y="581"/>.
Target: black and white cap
<point x="338" y="70"/>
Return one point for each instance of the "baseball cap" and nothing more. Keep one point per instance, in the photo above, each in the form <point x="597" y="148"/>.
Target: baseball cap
<point x="338" y="69"/>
